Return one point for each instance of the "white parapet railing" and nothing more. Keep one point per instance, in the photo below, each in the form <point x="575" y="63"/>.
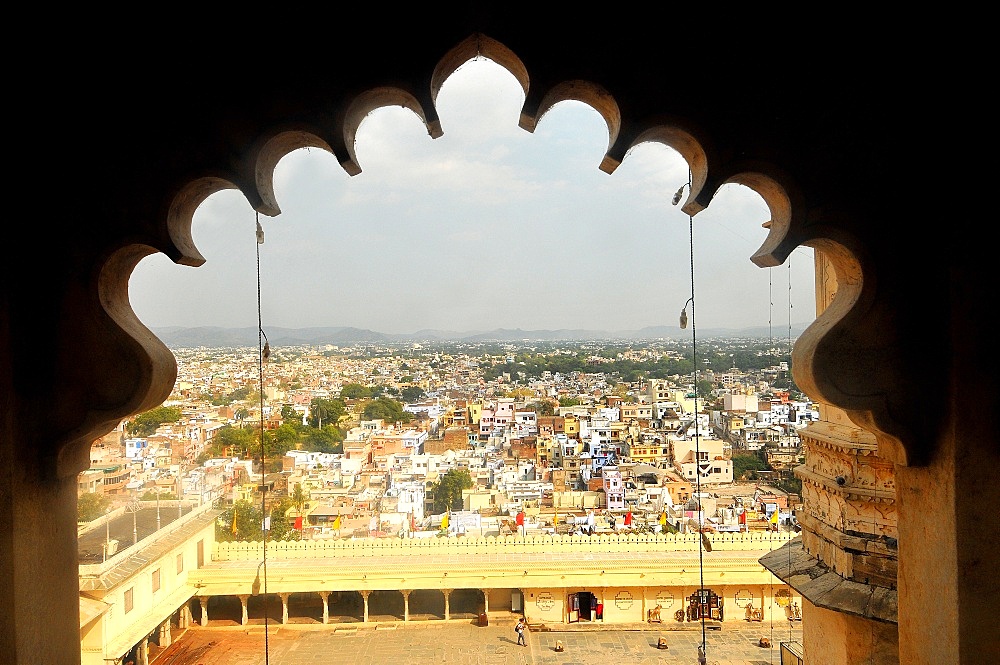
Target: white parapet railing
<point x="605" y="543"/>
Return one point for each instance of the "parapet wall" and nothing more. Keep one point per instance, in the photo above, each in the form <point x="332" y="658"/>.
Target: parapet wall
<point x="363" y="547"/>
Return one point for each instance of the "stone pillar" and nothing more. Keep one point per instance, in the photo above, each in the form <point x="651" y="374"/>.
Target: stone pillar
<point x="325" y="595"/>
<point x="447" y="609"/>
<point x="39" y="542"/>
<point x="187" y="616"/>
<point x="204" y="610"/>
<point x="406" y="604"/>
<point x="643" y="615"/>
<point x="142" y="652"/>
<point x="947" y="586"/>
<point x="164" y="634"/>
<point x="364" y="594"/>
<point x="284" y="607"/>
<point x="486" y="601"/>
<point x="246" y="615"/>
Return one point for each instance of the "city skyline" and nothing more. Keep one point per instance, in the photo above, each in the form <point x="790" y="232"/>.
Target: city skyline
<point x="486" y="227"/>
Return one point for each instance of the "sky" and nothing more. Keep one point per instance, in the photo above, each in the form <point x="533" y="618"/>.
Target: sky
<point x="488" y="226"/>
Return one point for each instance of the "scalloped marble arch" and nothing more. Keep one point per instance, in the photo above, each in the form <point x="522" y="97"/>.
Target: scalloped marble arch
<point x="791" y="225"/>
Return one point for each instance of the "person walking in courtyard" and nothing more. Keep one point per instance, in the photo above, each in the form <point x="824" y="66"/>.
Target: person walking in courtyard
<point x="519" y="628"/>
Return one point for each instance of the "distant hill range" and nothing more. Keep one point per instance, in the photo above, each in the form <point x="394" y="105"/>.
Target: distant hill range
<point x="215" y="337"/>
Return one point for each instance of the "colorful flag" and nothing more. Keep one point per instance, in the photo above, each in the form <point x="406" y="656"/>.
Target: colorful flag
<point x="628" y="518"/>
<point x="555" y="519"/>
<point x="663" y="518"/>
<point x="336" y="523"/>
<point x="234" y="521"/>
<point x="520" y="518"/>
<point x="298" y="523"/>
<point x="444" y="521"/>
<point x="774" y="517"/>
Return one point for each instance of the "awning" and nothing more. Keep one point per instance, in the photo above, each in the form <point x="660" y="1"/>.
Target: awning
<point x="91" y="609"/>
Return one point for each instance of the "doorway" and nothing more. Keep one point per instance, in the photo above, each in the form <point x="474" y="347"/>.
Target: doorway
<point x="583" y="606"/>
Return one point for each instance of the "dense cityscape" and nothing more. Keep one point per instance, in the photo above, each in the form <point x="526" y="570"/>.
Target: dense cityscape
<point x="392" y="437"/>
<point x="614" y="449"/>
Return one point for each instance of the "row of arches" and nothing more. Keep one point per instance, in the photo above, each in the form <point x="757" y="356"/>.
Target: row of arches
<point x="323" y="607"/>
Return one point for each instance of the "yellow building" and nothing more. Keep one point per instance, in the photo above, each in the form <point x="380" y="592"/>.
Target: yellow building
<point x="142" y="591"/>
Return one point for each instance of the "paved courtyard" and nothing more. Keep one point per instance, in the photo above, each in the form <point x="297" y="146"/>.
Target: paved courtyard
<point x="465" y="643"/>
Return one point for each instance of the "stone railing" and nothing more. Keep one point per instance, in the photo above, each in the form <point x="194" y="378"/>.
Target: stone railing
<point x="368" y="547"/>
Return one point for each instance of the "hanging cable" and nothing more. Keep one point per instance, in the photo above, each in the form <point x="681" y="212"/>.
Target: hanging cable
<point x="770" y="308"/>
<point x="263" y="352"/>
<point x="789" y="305"/>
<point x="770" y="614"/>
<point x="703" y="600"/>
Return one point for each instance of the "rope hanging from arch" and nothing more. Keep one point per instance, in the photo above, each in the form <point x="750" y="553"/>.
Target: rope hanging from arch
<point x="263" y="353"/>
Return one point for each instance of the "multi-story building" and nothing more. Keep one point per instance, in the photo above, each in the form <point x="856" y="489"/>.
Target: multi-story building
<point x="701" y="459"/>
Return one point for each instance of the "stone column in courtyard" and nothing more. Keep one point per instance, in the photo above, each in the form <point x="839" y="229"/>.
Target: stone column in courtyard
<point x="243" y="603"/>
<point x="406" y="604"/>
<point x="204" y="610"/>
<point x="142" y="653"/>
<point x="364" y="594"/>
<point x="164" y="634"/>
<point x="447" y="608"/>
<point x="284" y="607"/>
<point x="325" y="595"/>
<point x="486" y="601"/>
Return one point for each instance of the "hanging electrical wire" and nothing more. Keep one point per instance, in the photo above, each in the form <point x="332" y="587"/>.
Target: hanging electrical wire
<point x="770" y="614"/>
<point x="263" y="353"/>
<point x="770" y="309"/>
<point x="703" y="600"/>
<point x="789" y="304"/>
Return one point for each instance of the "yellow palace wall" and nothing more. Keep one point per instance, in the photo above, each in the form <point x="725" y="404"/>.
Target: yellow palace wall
<point x="629" y="604"/>
<point x="636" y="571"/>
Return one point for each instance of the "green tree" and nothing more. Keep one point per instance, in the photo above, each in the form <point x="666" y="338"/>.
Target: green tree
<point x="411" y="394"/>
<point x="448" y="490"/>
<point x="153" y="495"/>
<point x="281" y="528"/>
<point x="248" y="523"/>
<point x="146" y="423"/>
<point x="276" y="444"/>
<point x="387" y="409"/>
<point x="542" y="408"/>
<point x="746" y="466"/>
<point x="705" y="387"/>
<point x="286" y="437"/>
<point x="327" y="440"/>
<point x="326" y="411"/>
<point x="90" y="506"/>
<point x="790" y="484"/>
<point x="355" y="391"/>
<point x="238" y="395"/>
<point x="299" y="497"/>
<point x="231" y="440"/>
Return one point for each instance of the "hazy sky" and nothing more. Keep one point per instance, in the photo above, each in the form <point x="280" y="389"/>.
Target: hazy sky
<point x="487" y="227"/>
